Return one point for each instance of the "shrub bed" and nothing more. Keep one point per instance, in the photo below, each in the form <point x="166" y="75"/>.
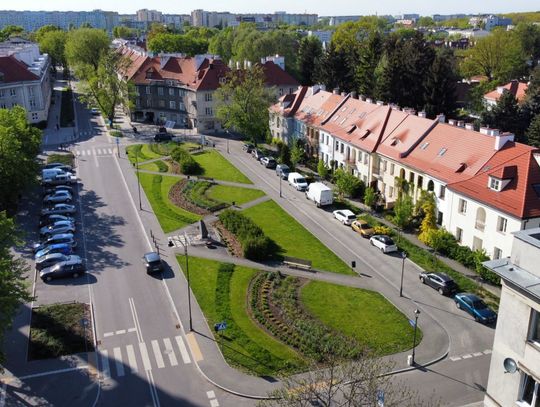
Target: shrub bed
<point x="187" y="164"/>
<point x="195" y="192"/>
<point x="255" y="245"/>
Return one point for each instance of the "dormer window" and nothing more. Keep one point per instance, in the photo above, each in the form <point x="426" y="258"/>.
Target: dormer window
<point x="495" y="184"/>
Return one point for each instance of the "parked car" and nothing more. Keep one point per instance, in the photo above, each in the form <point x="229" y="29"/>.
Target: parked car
<point x="56" y="228"/>
<point x="47" y="220"/>
<point x="55" y="239"/>
<point x="383" y="242"/>
<point x="70" y="268"/>
<point x="52" y="190"/>
<point x="53" y="172"/>
<point x="63" y="248"/>
<point x="51" y="259"/>
<point x="345" y="216"/>
<point x="297" y="180"/>
<point x="52" y="165"/>
<point x="248" y="147"/>
<point x="320" y="194"/>
<point x="476" y="307"/>
<point x="58" y="197"/>
<point x="59" y="209"/>
<point x="439" y="281"/>
<point x="162" y="137"/>
<point x="257" y="154"/>
<point x="362" y="227"/>
<point x="60" y="179"/>
<point x="269" y="162"/>
<point x="283" y="170"/>
<point x="152" y="262"/>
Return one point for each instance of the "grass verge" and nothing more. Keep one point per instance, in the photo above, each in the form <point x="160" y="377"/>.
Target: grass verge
<point x="230" y="194"/>
<point x="375" y="322"/>
<point x="293" y="239"/>
<point x="66" y="159"/>
<point x="216" y="166"/>
<point x="224" y="297"/>
<point x="60" y="329"/>
<point x="155" y="166"/>
<point x="170" y="216"/>
<point x="141" y="152"/>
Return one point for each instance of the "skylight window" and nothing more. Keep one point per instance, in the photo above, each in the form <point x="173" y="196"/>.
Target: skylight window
<point x="345" y="108"/>
<point x="343" y="121"/>
<point x="335" y="118"/>
<point x="424" y="146"/>
<point x="442" y="151"/>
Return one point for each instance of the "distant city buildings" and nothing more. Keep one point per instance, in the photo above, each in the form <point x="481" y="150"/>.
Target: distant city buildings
<point x="149" y="16"/>
<point x="324" y="36"/>
<point x="203" y="18"/>
<point x="25" y="78"/>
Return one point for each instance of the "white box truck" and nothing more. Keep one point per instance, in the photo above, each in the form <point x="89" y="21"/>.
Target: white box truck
<point x="320" y="194"/>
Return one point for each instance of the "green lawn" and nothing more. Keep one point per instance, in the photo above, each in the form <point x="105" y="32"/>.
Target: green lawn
<point x="217" y="167"/>
<point x="155" y="166"/>
<point x="170" y="216"/>
<point x="293" y="238"/>
<point x="243" y="343"/>
<point x="229" y="194"/>
<point x="361" y="314"/>
<point x="142" y="152"/>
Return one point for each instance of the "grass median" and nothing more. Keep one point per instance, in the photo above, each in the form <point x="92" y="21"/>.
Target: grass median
<point x="170" y="216"/>
<point x="293" y="239"/>
<point x="230" y="194"/>
<point x="218" y="167"/>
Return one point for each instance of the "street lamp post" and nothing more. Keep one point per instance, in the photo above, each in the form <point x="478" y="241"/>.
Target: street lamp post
<point x="280" y="179"/>
<point x="138" y="180"/>
<point x="188" y="284"/>
<point x="228" y="134"/>
<point x="403" y="257"/>
<point x="416" y="314"/>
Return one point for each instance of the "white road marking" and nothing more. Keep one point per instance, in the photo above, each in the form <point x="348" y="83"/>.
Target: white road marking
<point x="106" y="371"/>
<point x="144" y="356"/>
<point x="135" y="319"/>
<point x="477" y="354"/>
<point x="157" y="354"/>
<point x="214" y="403"/>
<point x="109" y="150"/>
<point x="98" y="151"/>
<point x="183" y="350"/>
<point x="169" y="350"/>
<point x="120" y="331"/>
<point x="467" y="356"/>
<point x="107" y="334"/>
<point x="51" y="372"/>
<point x="132" y="329"/>
<point x="118" y="359"/>
<point x="454" y="358"/>
<point x="96" y="160"/>
<point x="3" y="394"/>
<point x="210" y="394"/>
<point x="132" y="361"/>
<point x="487" y="351"/>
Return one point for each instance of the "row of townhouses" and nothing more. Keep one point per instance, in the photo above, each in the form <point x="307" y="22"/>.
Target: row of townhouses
<point x="486" y="185"/>
<point x="25" y="78"/>
<point x="181" y="89"/>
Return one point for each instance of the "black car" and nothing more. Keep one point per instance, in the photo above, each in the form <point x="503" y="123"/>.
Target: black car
<point x="268" y="162"/>
<point x="162" y="137"/>
<point x="152" y="262"/>
<point x="439" y="281"/>
<point x="248" y="147"/>
<point x="70" y="268"/>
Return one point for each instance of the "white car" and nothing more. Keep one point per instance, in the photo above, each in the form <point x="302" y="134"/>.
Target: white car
<point x="383" y="242"/>
<point x="345" y="216"/>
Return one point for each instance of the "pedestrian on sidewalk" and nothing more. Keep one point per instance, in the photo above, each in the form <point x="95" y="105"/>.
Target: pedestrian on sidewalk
<point x="57" y="126"/>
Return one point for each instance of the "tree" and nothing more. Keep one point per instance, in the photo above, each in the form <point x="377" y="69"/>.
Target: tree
<point x="298" y="153"/>
<point x="322" y="169"/>
<point x="346" y="183"/>
<point x="285" y="155"/>
<point x="242" y="103"/>
<point x="13" y="285"/>
<point x="309" y="55"/>
<point x="440" y="84"/>
<point x="370" y="197"/>
<point x="53" y="42"/>
<point x="425" y="21"/>
<point x="121" y="31"/>
<point x="529" y="38"/>
<point x="531" y="105"/>
<point x="505" y="115"/>
<point x="335" y="71"/>
<point x="10" y="31"/>
<point x="367" y="62"/>
<point x="178" y="43"/>
<point x="84" y="47"/>
<point x="429" y="223"/>
<point x="44" y="29"/>
<point x="403" y="211"/>
<point x="533" y="132"/>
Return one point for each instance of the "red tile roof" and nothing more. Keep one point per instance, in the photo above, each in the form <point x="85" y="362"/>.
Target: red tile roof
<point x="14" y="70"/>
<point x="519" y="197"/>
<point x="514" y="87"/>
<point x="310" y="105"/>
<point x="275" y="76"/>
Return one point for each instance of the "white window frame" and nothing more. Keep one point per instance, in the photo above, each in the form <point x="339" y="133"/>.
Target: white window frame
<point x="502" y="224"/>
<point x="459" y="234"/>
<point x="534" y="327"/>
<point x="172" y="104"/>
<point x="208" y="111"/>
<point x="497" y="253"/>
<point x="13" y="92"/>
<point x="494" y="184"/>
<point x="171" y="91"/>
<point x="535" y="395"/>
<point x="207" y="97"/>
<point x="442" y="192"/>
<point x="462" y="206"/>
<point x="160" y="91"/>
<point x="148" y="90"/>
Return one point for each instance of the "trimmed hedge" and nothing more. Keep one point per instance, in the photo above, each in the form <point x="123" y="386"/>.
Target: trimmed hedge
<point x="255" y="245"/>
<point x="187" y="164"/>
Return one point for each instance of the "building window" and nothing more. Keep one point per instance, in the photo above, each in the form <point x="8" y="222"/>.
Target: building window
<point x="480" y="223"/>
<point x="442" y="192"/>
<point x="161" y="103"/>
<point x="160" y="91"/>
<point x="530" y="391"/>
<point x="3" y="105"/>
<point x="366" y="159"/>
<point x="439" y="218"/>
<point x="207" y="97"/>
<point x="172" y="104"/>
<point x="494" y="184"/>
<point x="459" y="234"/>
<point x="462" y="206"/>
<point x="2" y="93"/>
<point x="534" y="329"/>
<point x="384" y="165"/>
<point x="13" y="92"/>
<point x="32" y="103"/>
<point x="35" y="116"/>
<point x="341" y="148"/>
<point x="501" y="224"/>
<point x="31" y="91"/>
<point x="337" y="145"/>
<point x="420" y="182"/>
<point x="148" y="90"/>
<point x="497" y="253"/>
<point x="171" y="91"/>
<point x="208" y="111"/>
<point x="390" y="192"/>
<point x="392" y="168"/>
<point x="280" y="91"/>
<point x="477" y="243"/>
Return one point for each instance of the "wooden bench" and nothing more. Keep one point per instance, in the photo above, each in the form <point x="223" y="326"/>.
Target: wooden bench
<point x="295" y="262"/>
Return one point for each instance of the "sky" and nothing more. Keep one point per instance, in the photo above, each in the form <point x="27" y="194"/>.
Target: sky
<point x="323" y="8"/>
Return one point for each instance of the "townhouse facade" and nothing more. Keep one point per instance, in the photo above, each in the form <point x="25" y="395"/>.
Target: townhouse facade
<point x="25" y="79"/>
<point x="180" y="89"/>
<point x="485" y="185"/>
<point x="514" y="374"/>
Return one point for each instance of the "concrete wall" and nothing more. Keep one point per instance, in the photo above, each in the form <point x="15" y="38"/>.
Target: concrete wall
<point x="526" y="256"/>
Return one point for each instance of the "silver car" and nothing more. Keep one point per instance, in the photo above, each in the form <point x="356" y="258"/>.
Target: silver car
<point x="58" y="197"/>
<point x="51" y="259"/>
<point x="62" y="226"/>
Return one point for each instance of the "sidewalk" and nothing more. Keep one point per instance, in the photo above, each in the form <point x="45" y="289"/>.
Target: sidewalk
<point x="460" y="268"/>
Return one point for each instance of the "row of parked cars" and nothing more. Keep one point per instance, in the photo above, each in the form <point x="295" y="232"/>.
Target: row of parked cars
<point x="53" y="255"/>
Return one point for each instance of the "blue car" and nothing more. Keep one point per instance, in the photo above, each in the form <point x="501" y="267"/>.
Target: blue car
<point x="62" y="248"/>
<point x="476" y="307"/>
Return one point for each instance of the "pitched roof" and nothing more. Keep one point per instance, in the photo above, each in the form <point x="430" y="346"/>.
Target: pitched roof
<point x="521" y="196"/>
<point x="311" y="105"/>
<point x="13" y="70"/>
<point x="516" y="88"/>
<point x="275" y="76"/>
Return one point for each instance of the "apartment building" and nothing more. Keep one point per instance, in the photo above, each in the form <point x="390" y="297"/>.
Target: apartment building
<point x="514" y="374"/>
<point x="486" y="186"/>
<point x="516" y="88"/>
<point x="180" y="89"/>
<point x="25" y="79"/>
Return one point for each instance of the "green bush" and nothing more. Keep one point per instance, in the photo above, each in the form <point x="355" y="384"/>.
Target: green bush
<point x="188" y="165"/>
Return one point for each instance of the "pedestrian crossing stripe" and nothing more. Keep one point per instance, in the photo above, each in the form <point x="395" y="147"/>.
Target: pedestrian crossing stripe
<point x="179" y="241"/>
<point x="97" y="152"/>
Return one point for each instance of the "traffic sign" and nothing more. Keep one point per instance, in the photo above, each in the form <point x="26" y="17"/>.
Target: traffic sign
<point x="412" y="323"/>
<point x="380" y="398"/>
<point x="220" y="326"/>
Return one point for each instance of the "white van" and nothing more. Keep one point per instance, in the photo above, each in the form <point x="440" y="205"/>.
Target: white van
<point x="298" y="181"/>
<point x="320" y="194"/>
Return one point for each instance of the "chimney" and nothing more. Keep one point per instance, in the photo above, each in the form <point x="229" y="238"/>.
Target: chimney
<point x="485" y="130"/>
<point x="469" y="126"/>
<point x="500" y="90"/>
<point x="451" y="122"/>
<point x="362" y="98"/>
<point x="245" y="63"/>
<point x="380" y="103"/>
<point x="336" y="91"/>
<point x="354" y="95"/>
<point x="502" y="139"/>
<point x="441" y="118"/>
<point x="369" y="100"/>
<point x="343" y="94"/>
<point x="461" y="123"/>
<point x="237" y="64"/>
<point x="493" y="132"/>
<point x="422" y="114"/>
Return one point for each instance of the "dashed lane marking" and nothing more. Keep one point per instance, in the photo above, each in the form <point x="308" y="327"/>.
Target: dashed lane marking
<point x="469" y="356"/>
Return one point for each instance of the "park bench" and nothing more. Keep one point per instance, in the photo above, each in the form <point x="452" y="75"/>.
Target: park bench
<point x="295" y="262"/>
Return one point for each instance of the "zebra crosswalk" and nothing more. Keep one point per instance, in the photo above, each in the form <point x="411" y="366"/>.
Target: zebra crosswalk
<point x="179" y="241"/>
<point x="95" y="151"/>
<point x="158" y="354"/>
